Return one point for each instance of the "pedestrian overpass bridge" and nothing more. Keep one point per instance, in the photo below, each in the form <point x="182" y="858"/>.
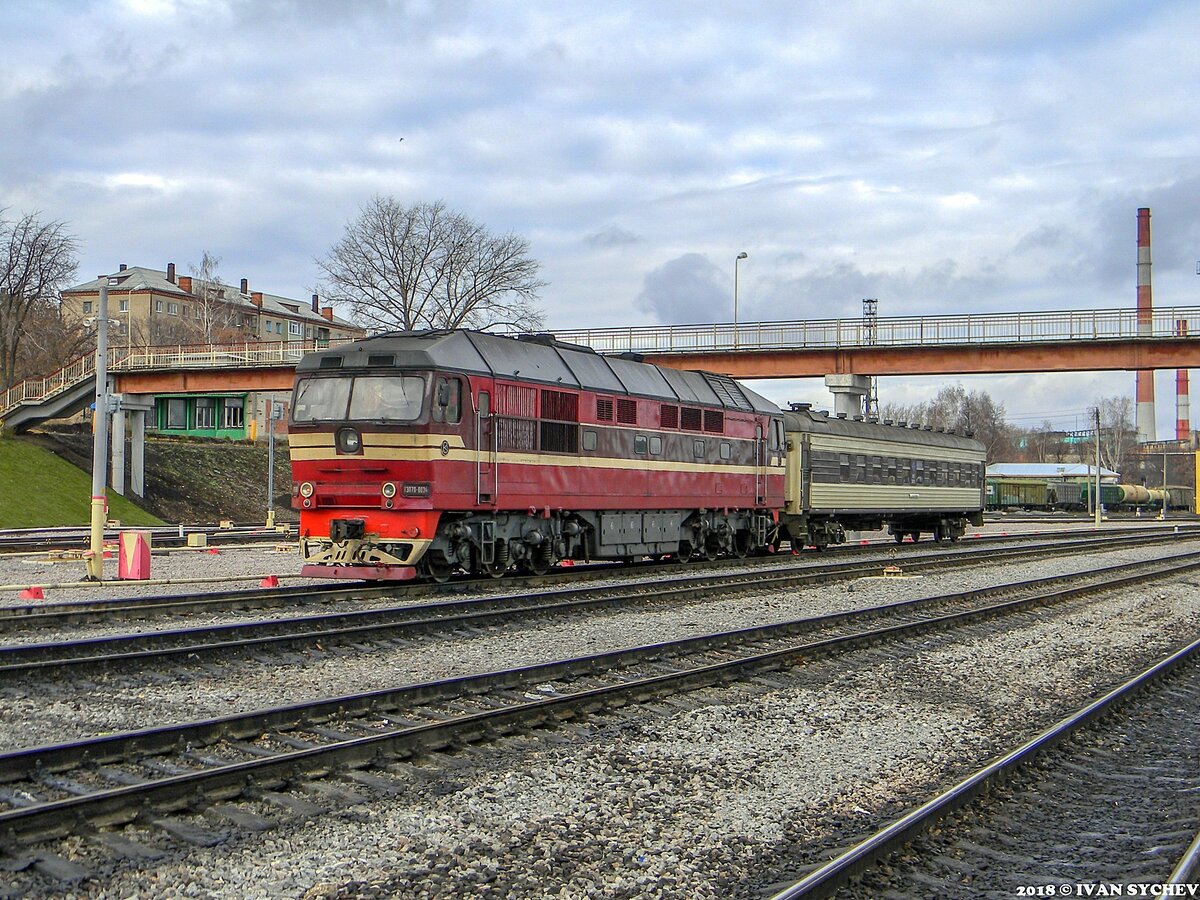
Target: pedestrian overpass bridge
<point x="1062" y="341"/>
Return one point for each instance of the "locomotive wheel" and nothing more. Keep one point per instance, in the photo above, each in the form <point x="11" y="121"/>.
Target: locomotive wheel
<point x="898" y="537"/>
<point x="741" y="544"/>
<point x="685" y="552"/>
<point x="436" y="566"/>
<point x="712" y="548"/>
<point x="499" y="564"/>
<point x="539" y="560"/>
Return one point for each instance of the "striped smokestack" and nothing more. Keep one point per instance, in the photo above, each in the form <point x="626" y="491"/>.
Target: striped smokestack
<point x="1145" y="316"/>
<point x="1183" y="424"/>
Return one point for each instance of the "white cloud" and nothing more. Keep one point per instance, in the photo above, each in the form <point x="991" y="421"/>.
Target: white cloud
<point x="938" y="156"/>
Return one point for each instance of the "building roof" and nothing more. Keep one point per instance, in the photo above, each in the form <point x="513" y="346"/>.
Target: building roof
<point x="1045" y="470"/>
<point x="139" y="278"/>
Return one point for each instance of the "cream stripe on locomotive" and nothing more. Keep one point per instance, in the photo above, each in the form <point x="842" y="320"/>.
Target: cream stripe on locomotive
<point x="427" y="454"/>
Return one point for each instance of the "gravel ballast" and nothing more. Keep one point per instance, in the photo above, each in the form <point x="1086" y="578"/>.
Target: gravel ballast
<point x="718" y="796"/>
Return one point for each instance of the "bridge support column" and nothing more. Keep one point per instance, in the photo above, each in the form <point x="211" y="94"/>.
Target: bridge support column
<point x="137" y="467"/>
<point x="848" y="392"/>
<point x="118" y="451"/>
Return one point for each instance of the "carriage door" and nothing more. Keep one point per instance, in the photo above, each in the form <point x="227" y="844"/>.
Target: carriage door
<point x="485" y="448"/>
<point x="760" y="466"/>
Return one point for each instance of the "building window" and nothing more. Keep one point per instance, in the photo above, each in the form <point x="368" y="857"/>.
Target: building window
<point x="158" y="306"/>
<point x="185" y="311"/>
<point x="293" y="327"/>
<point x="172" y="309"/>
<point x="205" y="412"/>
<point x="87" y="306"/>
<point x="233" y="414"/>
<point x="177" y="413"/>
<point x="124" y="304"/>
<point x="279" y="328"/>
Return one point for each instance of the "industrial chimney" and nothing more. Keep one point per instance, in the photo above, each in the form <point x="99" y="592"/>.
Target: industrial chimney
<point x="1145" y="318"/>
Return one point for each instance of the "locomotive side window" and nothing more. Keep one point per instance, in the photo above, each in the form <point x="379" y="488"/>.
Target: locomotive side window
<point x="485" y="403"/>
<point x="320" y="399"/>
<point x="396" y="398"/>
<point x="447" y="401"/>
<point x="726" y="450"/>
<point x="639" y="444"/>
<point x="589" y="440"/>
<point x="656" y="446"/>
<point x="698" y="449"/>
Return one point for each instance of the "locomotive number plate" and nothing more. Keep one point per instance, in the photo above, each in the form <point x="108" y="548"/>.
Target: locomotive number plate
<point x="415" y="489"/>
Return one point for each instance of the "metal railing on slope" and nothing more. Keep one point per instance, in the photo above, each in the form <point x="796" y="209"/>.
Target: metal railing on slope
<point x="247" y="354"/>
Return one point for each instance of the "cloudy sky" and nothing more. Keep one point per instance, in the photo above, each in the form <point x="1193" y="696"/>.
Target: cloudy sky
<point x="941" y="157"/>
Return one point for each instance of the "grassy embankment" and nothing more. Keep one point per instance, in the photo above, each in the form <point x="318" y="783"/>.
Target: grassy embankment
<point x="38" y="489"/>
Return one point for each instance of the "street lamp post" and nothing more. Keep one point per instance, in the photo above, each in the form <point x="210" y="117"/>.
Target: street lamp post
<point x="737" y="259"/>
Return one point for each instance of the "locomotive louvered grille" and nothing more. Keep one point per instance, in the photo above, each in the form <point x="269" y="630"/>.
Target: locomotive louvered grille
<point x="690" y="419"/>
<point x="669" y="416"/>
<point x="604" y="409"/>
<point x="561" y="406"/>
<point x="518" y="435"/>
<point x="560" y="437"/>
<point x="727" y="389"/>
<point x="515" y="400"/>
<point x="627" y="412"/>
<point x="714" y="421"/>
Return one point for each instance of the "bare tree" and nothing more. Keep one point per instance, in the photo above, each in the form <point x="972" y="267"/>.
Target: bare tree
<point x="1118" y="437"/>
<point x="424" y="266"/>
<point x="215" y="315"/>
<point x="955" y="408"/>
<point x="37" y="259"/>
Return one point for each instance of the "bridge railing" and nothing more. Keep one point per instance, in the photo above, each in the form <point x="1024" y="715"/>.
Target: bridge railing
<point x="914" y="331"/>
<point x="181" y="356"/>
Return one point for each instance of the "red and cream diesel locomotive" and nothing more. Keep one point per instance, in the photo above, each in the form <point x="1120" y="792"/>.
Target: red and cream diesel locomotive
<point x="436" y="452"/>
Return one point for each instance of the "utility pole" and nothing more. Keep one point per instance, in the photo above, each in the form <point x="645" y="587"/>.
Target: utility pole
<point x="870" y="332"/>
<point x="1097" y="503"/>
<point x="95" y="562"/>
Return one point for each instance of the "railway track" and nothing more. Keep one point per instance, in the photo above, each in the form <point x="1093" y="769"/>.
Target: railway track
<point x="24" y="541"/>
<point x="862" y="560"/>
<point x="1104" y="797"/>
<point x="401" y="623"/>
<point x="241" y="771"/>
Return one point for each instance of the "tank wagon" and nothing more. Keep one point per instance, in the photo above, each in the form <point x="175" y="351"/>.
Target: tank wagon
<point x="430" y="453"/>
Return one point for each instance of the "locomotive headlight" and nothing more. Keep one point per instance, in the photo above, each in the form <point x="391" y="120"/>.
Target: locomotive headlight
<point x="306" y="489"/>
<point x="349" y="441"/>
<point x="389" y="489"/>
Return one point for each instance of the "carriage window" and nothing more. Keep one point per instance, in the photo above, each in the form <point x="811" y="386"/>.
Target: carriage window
<point x="589" y="440"/>
<point x="396" y="398"/>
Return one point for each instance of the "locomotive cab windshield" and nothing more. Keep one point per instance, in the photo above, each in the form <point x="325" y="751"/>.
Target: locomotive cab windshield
<point x="388" y="397"/>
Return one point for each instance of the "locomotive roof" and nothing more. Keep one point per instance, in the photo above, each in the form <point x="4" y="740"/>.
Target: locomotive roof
<point x="820" y="421"/>
<point x="538" y="358"/>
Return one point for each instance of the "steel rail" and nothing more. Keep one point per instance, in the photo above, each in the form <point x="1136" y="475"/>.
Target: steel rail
<point x="22" y="660"/>
<point x="75" y="612"/>
<point x="839" y="872"/>
<point x="224" y="780"/>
